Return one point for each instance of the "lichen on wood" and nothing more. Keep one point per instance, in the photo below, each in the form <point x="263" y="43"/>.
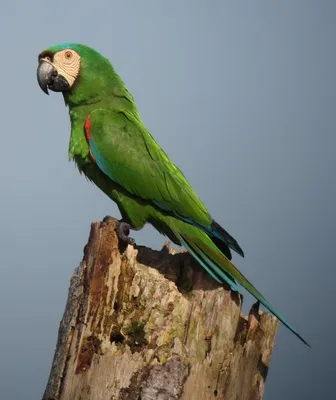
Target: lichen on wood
<point x="146" y="324"/>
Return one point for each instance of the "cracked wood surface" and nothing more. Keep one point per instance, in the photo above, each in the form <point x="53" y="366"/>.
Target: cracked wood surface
<point x="145" y="324"/>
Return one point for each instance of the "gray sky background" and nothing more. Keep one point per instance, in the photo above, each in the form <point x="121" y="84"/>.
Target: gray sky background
<point x="241" y="95"/>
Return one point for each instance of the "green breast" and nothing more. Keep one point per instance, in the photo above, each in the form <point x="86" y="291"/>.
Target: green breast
<point x="78" y="147"/>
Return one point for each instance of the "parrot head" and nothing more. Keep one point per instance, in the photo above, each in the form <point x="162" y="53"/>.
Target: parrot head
<point x="78" y="71"/>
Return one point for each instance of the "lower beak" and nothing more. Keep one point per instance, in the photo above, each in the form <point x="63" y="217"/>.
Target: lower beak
<point x="48" y="78"/>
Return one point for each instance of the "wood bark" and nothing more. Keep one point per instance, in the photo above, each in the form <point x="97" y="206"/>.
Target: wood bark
<point x="153" y="325"/>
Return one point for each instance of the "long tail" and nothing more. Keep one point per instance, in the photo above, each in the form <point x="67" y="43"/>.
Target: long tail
<point x="202" y="248"/>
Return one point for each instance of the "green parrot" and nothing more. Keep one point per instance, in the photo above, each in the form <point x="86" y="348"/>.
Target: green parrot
<point x="111" y="146"/>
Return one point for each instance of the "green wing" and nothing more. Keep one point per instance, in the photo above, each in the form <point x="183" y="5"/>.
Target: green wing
<point x="126" y="152"/>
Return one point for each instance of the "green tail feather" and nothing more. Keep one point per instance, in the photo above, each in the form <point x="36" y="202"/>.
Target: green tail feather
<point x="208" y="265"/>
<point x="220" y="268"/>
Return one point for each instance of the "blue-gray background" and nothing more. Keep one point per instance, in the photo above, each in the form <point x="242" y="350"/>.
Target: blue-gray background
<point x="241" y="95"/>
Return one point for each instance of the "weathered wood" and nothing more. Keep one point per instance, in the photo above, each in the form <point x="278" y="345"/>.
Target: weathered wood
<point x="145" y="324"/>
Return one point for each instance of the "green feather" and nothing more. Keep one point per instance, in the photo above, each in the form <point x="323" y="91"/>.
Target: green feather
<point x="126" y="152"/>
<point x="131" y="168"/>
<point x="204" y="250"/>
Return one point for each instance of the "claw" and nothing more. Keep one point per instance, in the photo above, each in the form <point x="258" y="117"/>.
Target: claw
<point x="108" y="218"/>
<point x="123" y="229"/>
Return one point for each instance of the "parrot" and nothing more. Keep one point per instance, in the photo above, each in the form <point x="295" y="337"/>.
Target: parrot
<point x="112" y="148"/>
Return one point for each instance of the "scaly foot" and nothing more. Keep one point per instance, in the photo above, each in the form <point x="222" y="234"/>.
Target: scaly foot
<point x="123" y="229"/>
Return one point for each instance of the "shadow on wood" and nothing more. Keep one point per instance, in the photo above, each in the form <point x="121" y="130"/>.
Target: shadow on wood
<point x="145" y="324"/>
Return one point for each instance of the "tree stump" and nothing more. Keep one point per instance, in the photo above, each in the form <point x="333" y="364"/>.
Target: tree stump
<point x="153" y="325"/>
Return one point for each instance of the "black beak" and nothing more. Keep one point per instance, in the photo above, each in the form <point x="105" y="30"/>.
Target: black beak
<point x="48" y="78"/>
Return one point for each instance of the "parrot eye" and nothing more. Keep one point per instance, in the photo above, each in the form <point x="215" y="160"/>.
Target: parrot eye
<point x="68" y="55"/>
<point x="47" y="58"/>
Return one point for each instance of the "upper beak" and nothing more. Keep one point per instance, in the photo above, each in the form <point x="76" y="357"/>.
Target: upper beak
<point x="45" y="72"/>
<point x="48" y="78"/>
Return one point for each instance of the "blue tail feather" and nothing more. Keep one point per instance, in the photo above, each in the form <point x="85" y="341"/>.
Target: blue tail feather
<point x="191" y="251"/>
<point x="221" y="276"/>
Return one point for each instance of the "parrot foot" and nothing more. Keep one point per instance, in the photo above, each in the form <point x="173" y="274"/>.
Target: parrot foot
<point x="123" y="229"/>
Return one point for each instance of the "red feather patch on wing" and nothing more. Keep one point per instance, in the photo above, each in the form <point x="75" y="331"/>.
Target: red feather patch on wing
<point x="87" y="128"/>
